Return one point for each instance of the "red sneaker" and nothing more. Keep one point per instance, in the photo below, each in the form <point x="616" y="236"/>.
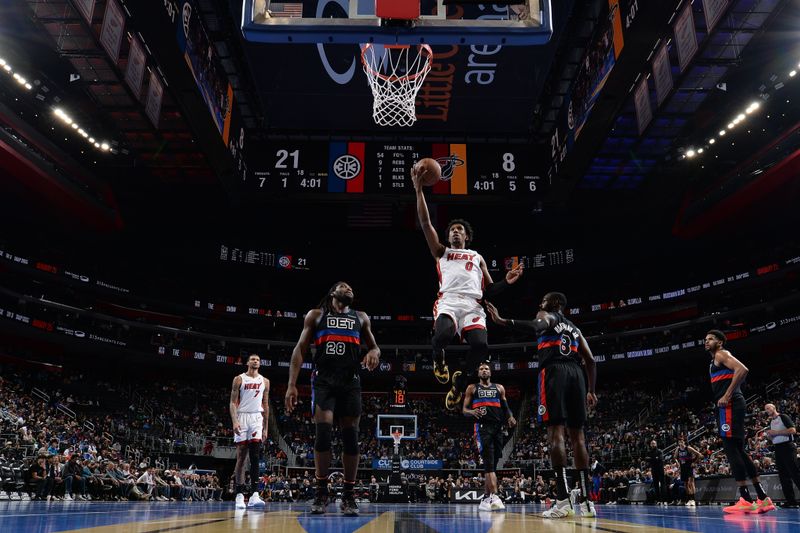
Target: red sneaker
<point x="765" y="505"/>
<point x="742" y="506"/>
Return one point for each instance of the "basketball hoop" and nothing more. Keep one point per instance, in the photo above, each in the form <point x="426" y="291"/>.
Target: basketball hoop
<point x="395" y="74"/>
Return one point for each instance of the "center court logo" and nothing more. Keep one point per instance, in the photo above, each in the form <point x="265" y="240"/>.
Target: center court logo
<point x="542" y="410"/>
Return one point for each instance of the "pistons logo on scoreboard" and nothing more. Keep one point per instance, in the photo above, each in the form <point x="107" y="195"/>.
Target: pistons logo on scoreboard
<point x="346" y="167"/>
<point x="542" y="410"/>
<point x="726" y="428"/>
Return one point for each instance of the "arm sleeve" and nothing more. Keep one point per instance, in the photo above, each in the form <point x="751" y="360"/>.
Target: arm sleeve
<point x="493" y="289"/>
<point x="787" y="421"/>
<point x="529" y="326"/>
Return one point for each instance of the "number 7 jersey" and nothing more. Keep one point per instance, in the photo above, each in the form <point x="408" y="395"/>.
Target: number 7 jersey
<point x="460" y="273"/>
<point x="338" y="341"/>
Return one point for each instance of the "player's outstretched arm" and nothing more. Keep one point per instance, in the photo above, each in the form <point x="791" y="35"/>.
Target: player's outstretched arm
<point x="542" y="322"/>
<point x="300" y="349"/>
<point x="373" y="352"/>
<point x="431" y="237"/>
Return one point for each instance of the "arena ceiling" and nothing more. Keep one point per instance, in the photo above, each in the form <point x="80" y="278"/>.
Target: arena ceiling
<point x="183" y="168"/>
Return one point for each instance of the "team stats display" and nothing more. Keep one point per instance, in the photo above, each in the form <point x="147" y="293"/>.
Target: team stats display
<point x="385" y="168"/>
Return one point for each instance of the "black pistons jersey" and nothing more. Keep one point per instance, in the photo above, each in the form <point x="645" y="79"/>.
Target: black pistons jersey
<point x="559" y="343"/>
<point x="487" y="399"/>
<point x="338" y="341"/>
<point x="685" y="457"/>
<point x="721" y="377"/>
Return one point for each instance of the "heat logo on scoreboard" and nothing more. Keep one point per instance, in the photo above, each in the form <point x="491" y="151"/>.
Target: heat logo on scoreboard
<point x="449" y="164"/>
<point x="346" y="167"/>
<point x="453" y="159"/>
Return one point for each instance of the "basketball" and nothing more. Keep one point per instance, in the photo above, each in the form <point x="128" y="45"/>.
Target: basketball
<point x="429" y="171"/>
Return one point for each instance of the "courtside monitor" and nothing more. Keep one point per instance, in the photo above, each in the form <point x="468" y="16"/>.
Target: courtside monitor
<point x="434" y="22"/>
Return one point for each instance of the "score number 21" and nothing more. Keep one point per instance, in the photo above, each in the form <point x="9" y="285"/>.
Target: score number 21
<point x="280" y="164"/>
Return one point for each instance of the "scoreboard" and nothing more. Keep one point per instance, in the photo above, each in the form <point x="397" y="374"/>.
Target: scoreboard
<point x="349" y="167"/>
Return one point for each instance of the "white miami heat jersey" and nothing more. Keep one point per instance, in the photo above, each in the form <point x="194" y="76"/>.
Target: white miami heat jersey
<point x="251" y="394"/>
<point x="460" y="273"/>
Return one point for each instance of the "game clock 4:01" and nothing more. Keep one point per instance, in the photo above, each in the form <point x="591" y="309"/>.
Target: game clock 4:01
<point x="381" y="168"/>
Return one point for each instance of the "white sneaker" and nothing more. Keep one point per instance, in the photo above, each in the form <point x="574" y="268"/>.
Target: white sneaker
<point x="486" y="504"/>
<point x="240" y="501"/>
<point x="497" y="503"/>
<point x="691" y="503"/>
<point x="256" y="501"/>
<point x="67" y="498"/>
<point x="587" y="509"/>
<point x="561" y="509"/>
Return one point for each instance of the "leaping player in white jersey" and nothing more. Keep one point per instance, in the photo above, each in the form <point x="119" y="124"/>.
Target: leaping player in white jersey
<point x="464" y="281"/>
<point x="249" y="408"/>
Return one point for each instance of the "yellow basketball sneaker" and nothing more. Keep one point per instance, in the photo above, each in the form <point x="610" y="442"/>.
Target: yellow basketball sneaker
<point x="453" y="398"/>
<point x="440" y="371"/>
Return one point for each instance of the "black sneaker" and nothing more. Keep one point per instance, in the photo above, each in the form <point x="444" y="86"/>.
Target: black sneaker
<point x="349" y="506"/>
<point x="320" y="504"/>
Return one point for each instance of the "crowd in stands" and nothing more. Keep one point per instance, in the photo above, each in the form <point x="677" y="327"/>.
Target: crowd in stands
<point x="47" y="450"/>
<point x="97" y="450"/>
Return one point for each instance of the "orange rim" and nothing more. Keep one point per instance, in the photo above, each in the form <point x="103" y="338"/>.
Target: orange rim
<point x="424" y="49"/>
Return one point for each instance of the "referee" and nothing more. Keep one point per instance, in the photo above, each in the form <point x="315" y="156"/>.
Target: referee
<point x="781" y="432"/>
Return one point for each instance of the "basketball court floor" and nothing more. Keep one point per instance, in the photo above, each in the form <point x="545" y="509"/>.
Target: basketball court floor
<point x="99" y="517"/>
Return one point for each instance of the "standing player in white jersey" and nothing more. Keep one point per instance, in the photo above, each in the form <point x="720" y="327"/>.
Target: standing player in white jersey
<point x="464" y="281"/>
<point x="249" y="408"/>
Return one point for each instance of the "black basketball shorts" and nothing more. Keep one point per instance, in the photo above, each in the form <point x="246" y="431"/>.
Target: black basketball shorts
<point x="562" y="395"/>
<point x="489" y="438"/>
<point x="337" y="393"/>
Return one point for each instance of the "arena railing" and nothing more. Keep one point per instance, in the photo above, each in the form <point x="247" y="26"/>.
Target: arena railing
<point x="38" y="393"/>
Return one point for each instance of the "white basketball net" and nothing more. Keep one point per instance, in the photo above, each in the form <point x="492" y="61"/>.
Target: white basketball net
<point x="395" y="74"/>
<point x="396" y="436"/>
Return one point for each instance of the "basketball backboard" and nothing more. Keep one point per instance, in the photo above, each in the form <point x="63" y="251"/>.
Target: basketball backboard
<point x="527" y="22"/>
<point x="388" y="424"/>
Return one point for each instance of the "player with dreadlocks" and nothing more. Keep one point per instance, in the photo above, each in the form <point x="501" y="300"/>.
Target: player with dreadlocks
<point x="336" y="331"/>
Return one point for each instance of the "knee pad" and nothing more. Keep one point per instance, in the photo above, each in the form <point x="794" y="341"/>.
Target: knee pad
<point x="478" y="345"/>
<point x="253" y="450"/>
<point x="488" y="456"/>
<point x="443" y="331"/>
<point x="322" y="443"/>
<point x="350" y="441"/>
